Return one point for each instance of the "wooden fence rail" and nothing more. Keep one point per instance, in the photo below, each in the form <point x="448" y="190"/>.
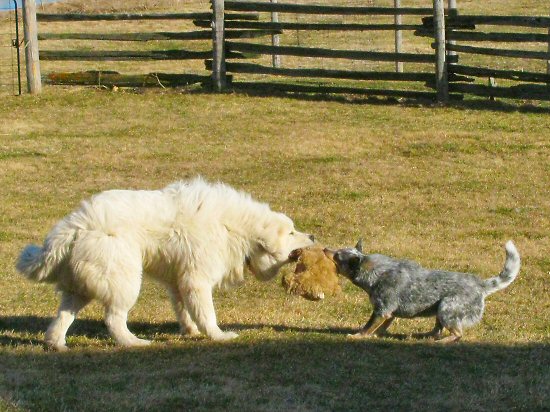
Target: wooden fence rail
<point x="45" y="17"/>
<point x="231" y="5"/>
<point x="330" y="53"/>
<point x="500" y="74"/>
<point x="311" y="26"/>
<point x="252" y="68"/>
<point x="144" y="37"/>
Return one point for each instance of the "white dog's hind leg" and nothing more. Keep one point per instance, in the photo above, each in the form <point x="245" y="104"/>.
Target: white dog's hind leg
<point x="123" y="298"/>
<point x="68" y="309"/>
<point x="187" y="326"/>
<point x="198" y="300"/>
<point x="115" y="319"/>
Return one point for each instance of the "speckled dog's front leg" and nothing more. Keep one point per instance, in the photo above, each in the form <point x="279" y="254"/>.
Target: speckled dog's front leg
<point x="372" y="325"/>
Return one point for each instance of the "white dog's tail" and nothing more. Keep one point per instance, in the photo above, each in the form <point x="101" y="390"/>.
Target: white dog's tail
<point x="509" y="272"/>
<point x="41" y="263"/>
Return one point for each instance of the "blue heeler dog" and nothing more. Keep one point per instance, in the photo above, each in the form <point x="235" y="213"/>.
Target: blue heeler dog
<point x="404" y="289"/>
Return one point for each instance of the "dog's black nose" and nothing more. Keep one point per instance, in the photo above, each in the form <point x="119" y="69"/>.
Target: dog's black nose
<point x="312" y="238"/>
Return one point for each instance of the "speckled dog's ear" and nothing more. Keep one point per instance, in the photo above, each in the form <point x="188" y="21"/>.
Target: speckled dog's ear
<point x="359" y="246"/>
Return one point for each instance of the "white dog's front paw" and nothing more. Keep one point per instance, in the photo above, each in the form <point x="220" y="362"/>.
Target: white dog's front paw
<point x="136" y="343"/>
<point x="224" y="336"/>
<point x="57" y="347"/>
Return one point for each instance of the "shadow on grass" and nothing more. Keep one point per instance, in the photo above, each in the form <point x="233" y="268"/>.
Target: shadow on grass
<point x="95" y="329"/>
<point x="317" y="369"/>
<point x="476" y="103"/>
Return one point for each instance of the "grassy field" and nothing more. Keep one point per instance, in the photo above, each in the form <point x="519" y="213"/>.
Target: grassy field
<point x="446" y="186"/>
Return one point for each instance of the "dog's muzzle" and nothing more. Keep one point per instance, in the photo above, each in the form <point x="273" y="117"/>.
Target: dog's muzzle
<point x="329" y="253"/>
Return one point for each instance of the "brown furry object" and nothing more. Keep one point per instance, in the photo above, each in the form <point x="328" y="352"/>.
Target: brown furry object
<point x="315" y="275"/>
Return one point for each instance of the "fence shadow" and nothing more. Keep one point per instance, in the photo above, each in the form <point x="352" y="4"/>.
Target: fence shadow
<point x="477" y="104"/>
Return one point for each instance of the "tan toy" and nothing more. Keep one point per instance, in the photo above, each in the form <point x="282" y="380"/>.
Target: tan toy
<point x="315" y="275"/>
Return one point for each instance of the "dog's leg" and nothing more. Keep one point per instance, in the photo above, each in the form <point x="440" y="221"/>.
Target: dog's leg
<point x="187" y="326"/>
<point x="116" y="319"/>
<point x="372" y="325"/>
<point x="437" y="331"/>
<point x="456" y="334"/>
<point x="382" y="330"/>
<point x="116" y="312"/>
<point x="197" y="298"/>
<point x="70" y="306"/>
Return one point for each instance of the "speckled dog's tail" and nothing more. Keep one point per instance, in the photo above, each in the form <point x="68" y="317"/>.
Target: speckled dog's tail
<point x="509" y="272"/>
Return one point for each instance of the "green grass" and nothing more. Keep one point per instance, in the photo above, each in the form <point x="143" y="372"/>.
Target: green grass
<point x="446" y="186"/>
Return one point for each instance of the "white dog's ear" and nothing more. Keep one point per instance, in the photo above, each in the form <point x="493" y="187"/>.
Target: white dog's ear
<point x="266" y="237"/>
<point x="359" y="245"/>
<point x="264" y="244"/>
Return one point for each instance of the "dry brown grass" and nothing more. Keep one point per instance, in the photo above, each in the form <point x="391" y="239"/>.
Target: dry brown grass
<point x="444" y="186"/>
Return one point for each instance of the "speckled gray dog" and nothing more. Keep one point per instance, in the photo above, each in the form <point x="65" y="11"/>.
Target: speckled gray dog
<point x="404" y="289"/>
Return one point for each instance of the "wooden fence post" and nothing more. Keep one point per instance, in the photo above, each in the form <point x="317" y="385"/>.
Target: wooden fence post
<point x="275" y="39"/>
<point x="398" y="36"/>
<point x="548" y="61"/>
<point x="34" y="81"/>
<point x="452" y="13"/>
<point x="441" y="73"/>
<point x="218" y="47"/>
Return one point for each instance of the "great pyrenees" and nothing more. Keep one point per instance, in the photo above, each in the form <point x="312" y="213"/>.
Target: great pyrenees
<point x="191" y="236"/>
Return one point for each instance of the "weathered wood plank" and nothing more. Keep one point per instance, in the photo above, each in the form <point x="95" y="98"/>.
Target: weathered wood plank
<point x="32" y="59"/>
<point x="218" y="46"/>
<point x="496" y="37"/>
<point x="336" y="54"/>
<point x="275" y="39"/>
<point x="194" y="35"/>
<point x="44" y="17"/>
<point x="520" y="21"/>
<point x="441" y="78"/>
<point x="110" y="79"/>
<point x="319" y="9"/>
<point x="428" y="24"/>
<point x="310" y="26"/>
<point x="524" y="54"/>
<point x="109" y="55"/>
<point x="514" y="92"/>
<point x="500" y="74"/>
<point x="398" y="35"/>
<point x="323" y="73"/>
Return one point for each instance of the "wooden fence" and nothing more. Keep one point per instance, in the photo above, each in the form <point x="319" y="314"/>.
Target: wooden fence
<point x="110" y="78"/>
<point x="225" y="63"/>
<point x="231" y="21"/>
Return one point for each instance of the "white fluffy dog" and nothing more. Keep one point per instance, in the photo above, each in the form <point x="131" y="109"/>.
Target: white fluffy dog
<point x="191" y="236"/>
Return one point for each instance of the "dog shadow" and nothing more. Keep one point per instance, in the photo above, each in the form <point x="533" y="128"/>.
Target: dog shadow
<point x="88" y="328"/>
<point x="96" y="329"/>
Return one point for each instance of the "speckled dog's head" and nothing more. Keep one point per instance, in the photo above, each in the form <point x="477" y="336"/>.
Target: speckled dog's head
<point x="348" y="260"/>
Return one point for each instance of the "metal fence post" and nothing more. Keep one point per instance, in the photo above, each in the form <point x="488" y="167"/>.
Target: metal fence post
<point x="441" y="73"/>
<point x="218" y="46"/>
<point x="17" y="46"/>
<point x="34" y="81"/>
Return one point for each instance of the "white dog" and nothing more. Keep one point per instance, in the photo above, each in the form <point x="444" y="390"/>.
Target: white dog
<point x="191" y="236"/>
